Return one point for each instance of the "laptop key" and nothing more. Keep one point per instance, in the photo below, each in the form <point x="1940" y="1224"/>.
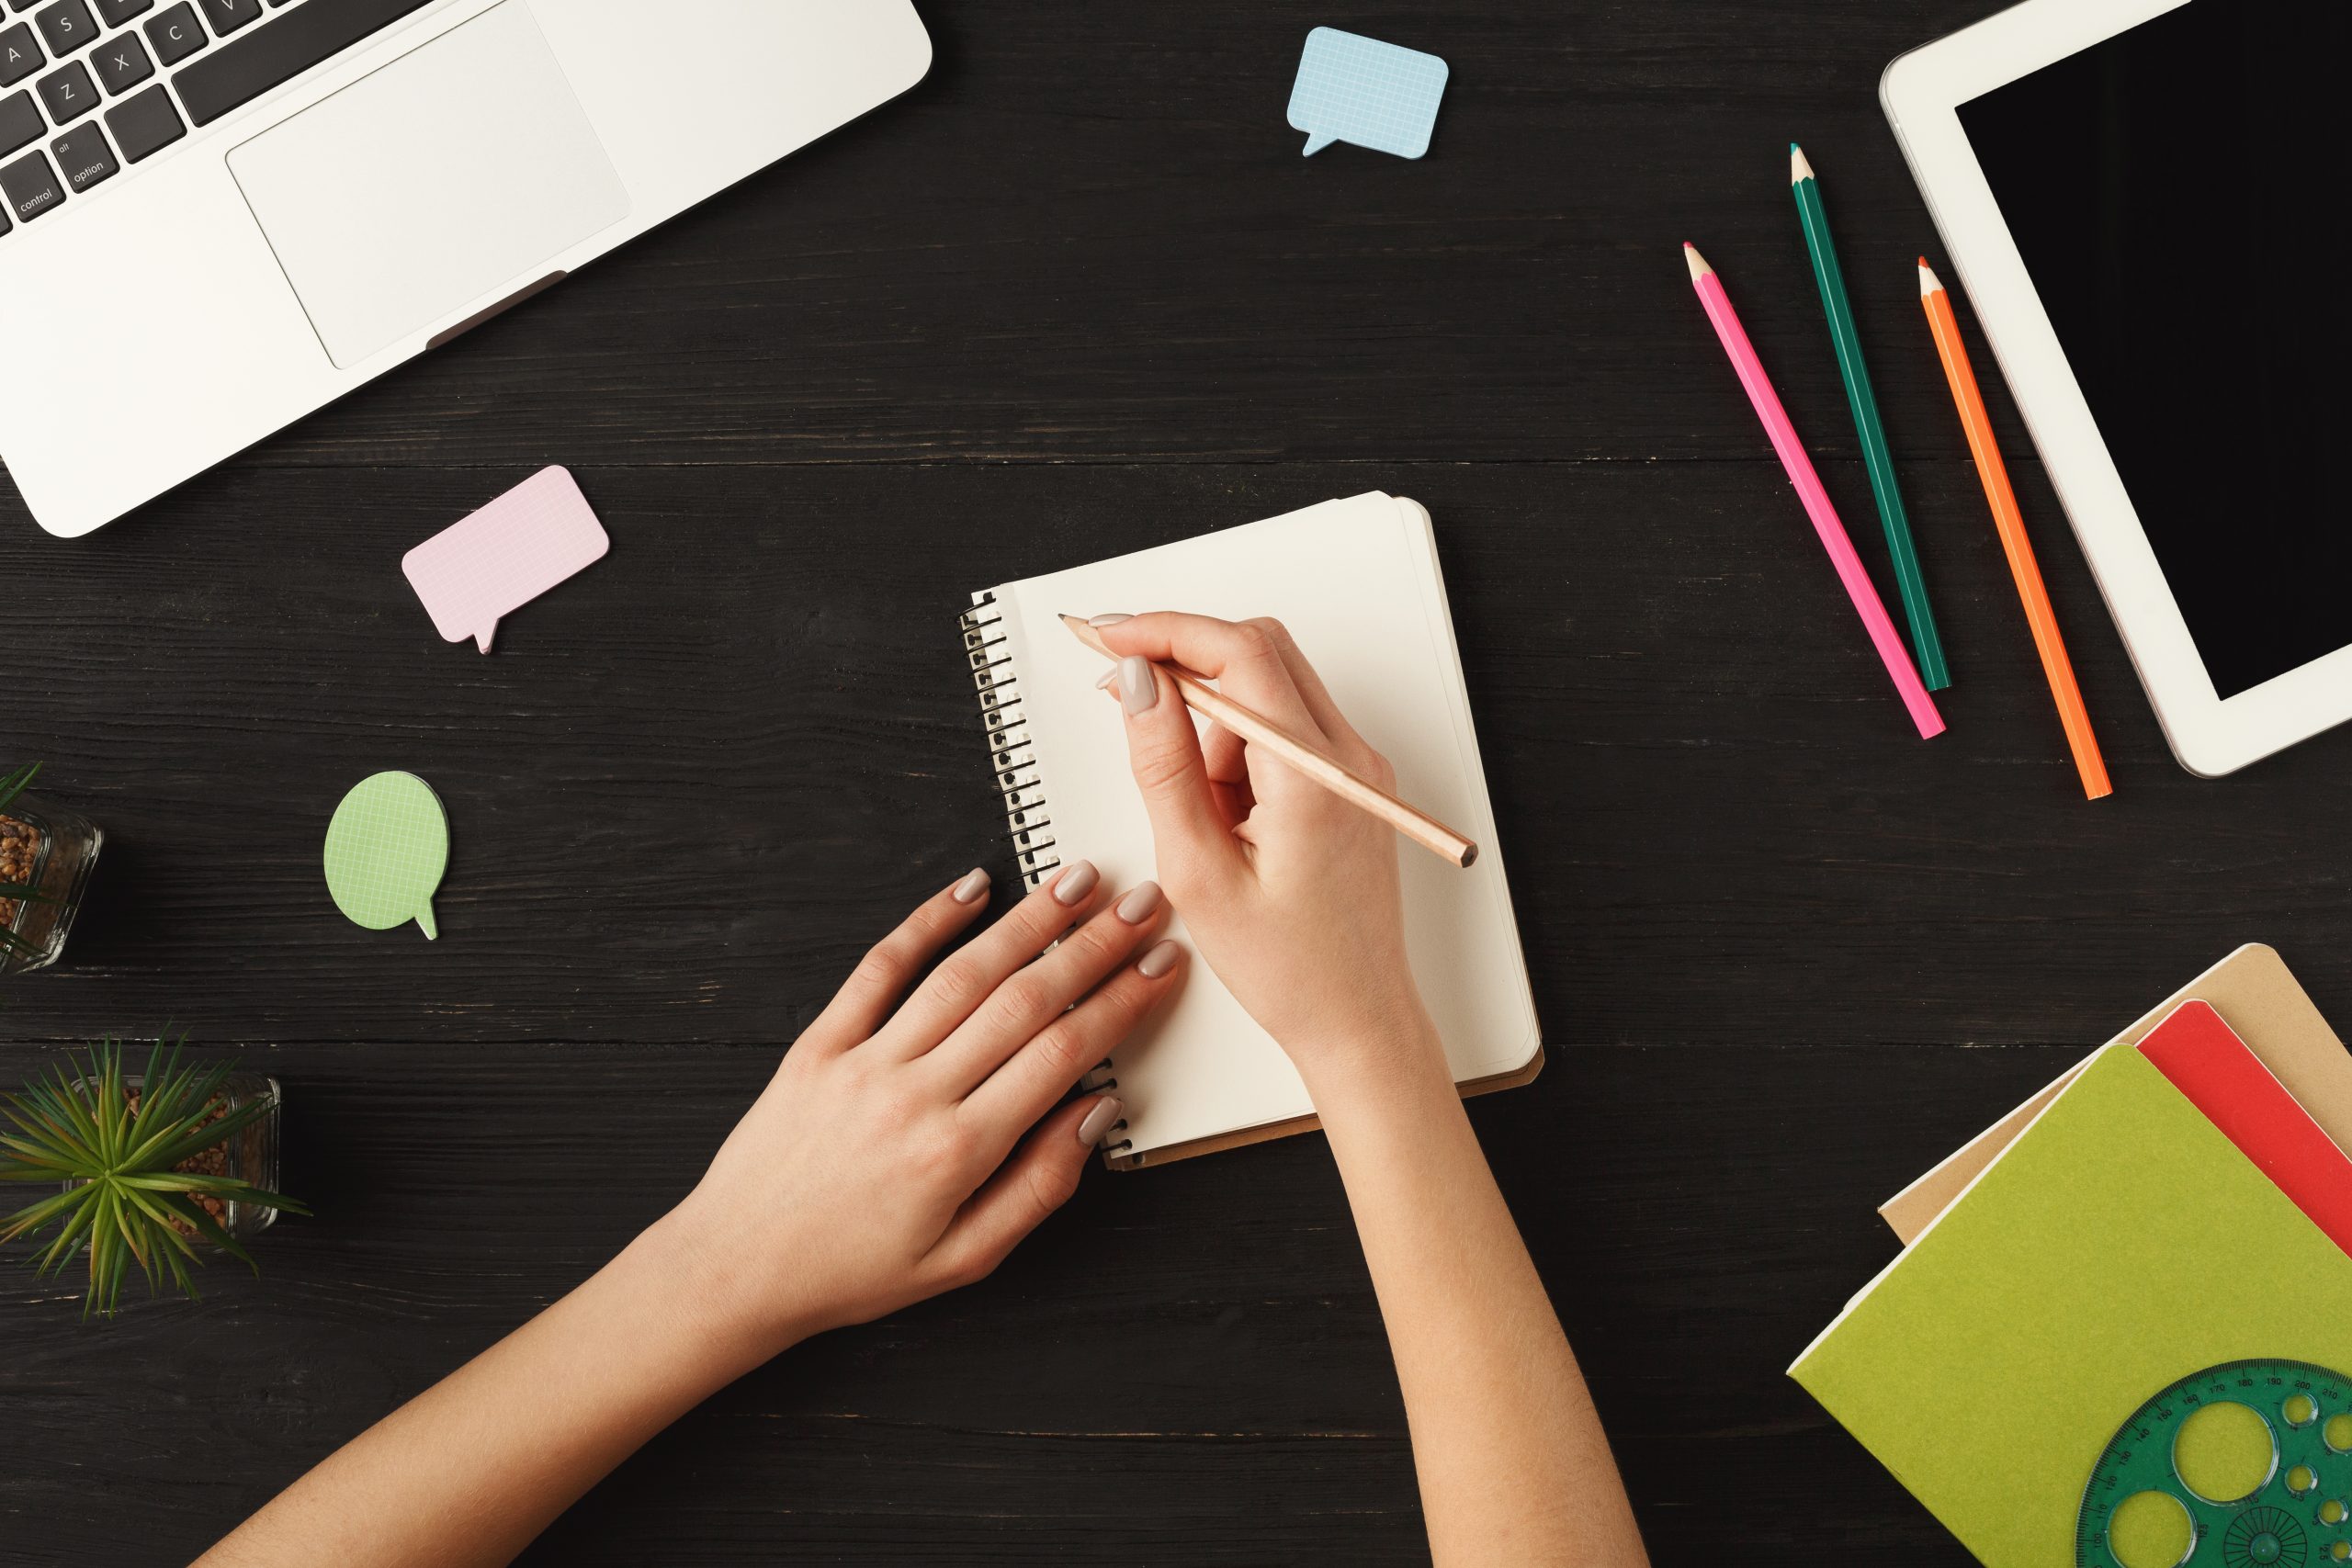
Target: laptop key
<point x="145" y="124"/>
<point x="65" y="26"/>
<point x="122" y="63"/>
<point x="114" y="12"/>
<point x="176" y="34"/>
<point x="68" y="93"/>
<point x="19" y="55"/>
<point x="242" y="70"/>
<point x="30" y="186"/>
<point x="228" y="16"/>
<point x="84" y="156"/>
<point x="20" y="123"/>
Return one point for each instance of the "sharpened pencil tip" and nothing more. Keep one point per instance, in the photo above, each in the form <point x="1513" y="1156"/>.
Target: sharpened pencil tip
<point x="1929" y="282"/>
<point x="1697" y="263"/>
<point x="1799" y="169"/>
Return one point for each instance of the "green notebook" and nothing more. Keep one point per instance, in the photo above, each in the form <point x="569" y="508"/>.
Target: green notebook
<point x="2120" y="1244"/>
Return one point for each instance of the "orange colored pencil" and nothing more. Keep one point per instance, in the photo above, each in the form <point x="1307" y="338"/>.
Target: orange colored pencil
<point x="2010" y="522"/>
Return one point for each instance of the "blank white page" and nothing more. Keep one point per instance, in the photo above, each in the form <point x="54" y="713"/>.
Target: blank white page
<point x="1357" y="582"/>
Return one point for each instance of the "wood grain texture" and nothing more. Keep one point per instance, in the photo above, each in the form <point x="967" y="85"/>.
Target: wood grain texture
<point x="1184" y="1366"/>
<point x="1080" y="294"/>
<point x="686" y="792"/>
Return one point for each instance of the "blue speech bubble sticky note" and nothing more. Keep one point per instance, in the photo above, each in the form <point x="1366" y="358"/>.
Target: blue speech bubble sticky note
<point x="1352" y="88"/>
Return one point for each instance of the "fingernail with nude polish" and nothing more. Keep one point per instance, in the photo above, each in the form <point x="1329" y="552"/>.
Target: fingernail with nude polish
<point x="1108" y="620"/>
<point x="1140" y="904"/>
<point x="1100" y="1120"/>
<point x="973" y="889"/>
<point x="1158" y="960"/>
<point x="1138" y="687"/>
<point x="1072" y="886"/>
<point x="1108" y="676"/>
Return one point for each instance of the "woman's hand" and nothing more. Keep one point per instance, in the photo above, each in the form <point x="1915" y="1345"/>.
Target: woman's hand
<point x="1293" y="898"/>
<point x="887" y="1161"/>
<point x="1290" y="893"/>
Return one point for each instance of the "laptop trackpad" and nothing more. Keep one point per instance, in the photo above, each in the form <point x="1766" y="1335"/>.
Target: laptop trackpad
<point x="458" y="169"/>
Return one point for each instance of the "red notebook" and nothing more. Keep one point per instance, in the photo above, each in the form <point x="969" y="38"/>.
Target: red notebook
<point x="2219" y="1073"/>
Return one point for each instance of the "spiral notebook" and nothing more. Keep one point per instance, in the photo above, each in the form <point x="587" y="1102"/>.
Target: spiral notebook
<point x="1358" y="584"/>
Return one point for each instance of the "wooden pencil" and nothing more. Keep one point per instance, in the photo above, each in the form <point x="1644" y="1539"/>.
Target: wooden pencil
<point x="1878" y="461"/>
<point x="1832" y="533"/>
<point x="1329" y="771"/>
<point x="2010" y="523"/>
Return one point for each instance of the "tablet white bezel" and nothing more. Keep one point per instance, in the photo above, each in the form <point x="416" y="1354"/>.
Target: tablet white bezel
<point x="1922" y="92"/>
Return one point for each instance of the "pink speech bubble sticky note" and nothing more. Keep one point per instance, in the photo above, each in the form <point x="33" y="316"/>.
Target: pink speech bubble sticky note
<point x="504" y="556"/>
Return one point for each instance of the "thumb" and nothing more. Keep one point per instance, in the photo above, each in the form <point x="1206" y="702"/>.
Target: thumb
<point x="1040" y="1177"/>
<point x="1188" y="829"/>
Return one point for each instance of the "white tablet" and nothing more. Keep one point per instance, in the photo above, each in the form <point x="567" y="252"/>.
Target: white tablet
<point x="2144" y="202"/>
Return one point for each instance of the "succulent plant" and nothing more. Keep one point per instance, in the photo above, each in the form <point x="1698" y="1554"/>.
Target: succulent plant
<point x="115" y="1149"/>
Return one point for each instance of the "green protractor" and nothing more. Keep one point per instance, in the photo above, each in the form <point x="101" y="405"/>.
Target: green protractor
<point x="2244" y="1465"/>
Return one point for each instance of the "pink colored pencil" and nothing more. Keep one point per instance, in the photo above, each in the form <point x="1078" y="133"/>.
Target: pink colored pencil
<point x="1857" y="583"/>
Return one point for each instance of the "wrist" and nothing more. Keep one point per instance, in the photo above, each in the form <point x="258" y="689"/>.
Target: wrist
<point x="687" y="1261"/>
<point x="1395" y="1062"/>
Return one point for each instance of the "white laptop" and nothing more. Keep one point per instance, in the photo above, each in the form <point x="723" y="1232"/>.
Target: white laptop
<point x="221" y="214"/>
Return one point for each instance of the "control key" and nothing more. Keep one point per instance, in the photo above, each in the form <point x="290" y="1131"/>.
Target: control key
<point x="30" y="186"/>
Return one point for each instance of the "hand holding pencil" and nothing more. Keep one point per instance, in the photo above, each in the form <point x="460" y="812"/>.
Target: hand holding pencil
<point x="1294" y="899"/>
<point x="1289" y="741"/>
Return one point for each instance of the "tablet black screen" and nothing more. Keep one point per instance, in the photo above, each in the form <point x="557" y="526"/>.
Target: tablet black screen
<point x="2178" y="194"/>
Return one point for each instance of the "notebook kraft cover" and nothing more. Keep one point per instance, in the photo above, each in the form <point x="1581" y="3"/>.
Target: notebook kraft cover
<point x="2256" y="996"/>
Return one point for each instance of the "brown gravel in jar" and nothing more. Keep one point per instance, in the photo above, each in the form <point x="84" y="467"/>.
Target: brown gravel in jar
<point x="19" y="845"/>
<point x="214" y="1161"/>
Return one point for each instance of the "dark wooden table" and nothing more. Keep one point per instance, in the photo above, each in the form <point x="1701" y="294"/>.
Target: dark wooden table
<point x="1076" y="295"/>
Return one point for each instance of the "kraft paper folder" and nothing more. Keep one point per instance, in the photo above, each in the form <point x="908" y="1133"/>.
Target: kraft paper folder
<point x="2255" y="996"/>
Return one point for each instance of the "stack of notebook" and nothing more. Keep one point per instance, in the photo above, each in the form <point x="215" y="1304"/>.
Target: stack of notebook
<point x="2160" y="1234"/>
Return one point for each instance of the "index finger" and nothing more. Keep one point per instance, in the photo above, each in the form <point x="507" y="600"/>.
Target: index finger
<point x="1243" y="658"/>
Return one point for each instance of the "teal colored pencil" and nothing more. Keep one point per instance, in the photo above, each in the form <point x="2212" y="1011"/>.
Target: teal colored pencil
<point x="1925" y="643"/>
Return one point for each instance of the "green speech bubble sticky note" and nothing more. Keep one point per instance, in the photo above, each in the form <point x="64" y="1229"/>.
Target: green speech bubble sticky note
<point x="386" y="851"/>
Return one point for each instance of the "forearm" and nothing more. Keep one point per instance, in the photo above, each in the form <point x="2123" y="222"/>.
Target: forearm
<point x="877" y="1169"/>
<point x="1512" y="1463"/>
<point x="465" y="1474"/>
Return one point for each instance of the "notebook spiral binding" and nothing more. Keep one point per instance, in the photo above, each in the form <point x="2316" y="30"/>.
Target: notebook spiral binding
<point x="1012" y="755"/>
<point x="1010" y="752"/>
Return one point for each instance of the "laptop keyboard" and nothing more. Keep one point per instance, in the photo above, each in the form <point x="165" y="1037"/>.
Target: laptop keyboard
<point x="89" y="87"/>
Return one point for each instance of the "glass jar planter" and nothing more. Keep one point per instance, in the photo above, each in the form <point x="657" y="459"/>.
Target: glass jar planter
<point x="51" y="851"/>
<point x="250" y="1155"/>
